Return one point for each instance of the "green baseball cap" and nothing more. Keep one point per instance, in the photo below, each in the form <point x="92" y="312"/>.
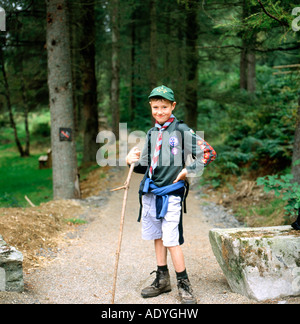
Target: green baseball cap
<point x="164" y="92"/>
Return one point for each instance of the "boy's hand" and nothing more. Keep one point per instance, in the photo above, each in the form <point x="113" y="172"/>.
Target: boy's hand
<point x="133" y="156"/>
<point x="181" y="176"/>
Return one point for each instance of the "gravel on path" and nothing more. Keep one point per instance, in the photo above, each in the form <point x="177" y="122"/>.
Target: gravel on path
<point x="82" y="272"/>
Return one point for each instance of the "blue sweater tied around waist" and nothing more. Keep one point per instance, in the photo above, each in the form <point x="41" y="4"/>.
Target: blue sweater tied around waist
<point x="162" y="194"/>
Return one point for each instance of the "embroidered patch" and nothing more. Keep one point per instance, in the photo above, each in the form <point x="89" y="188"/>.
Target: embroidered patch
<point x="203" y="147"/>
<point x="174" y="151"/>
<point x="204" y="161"/>
<point x="173" y="141"/>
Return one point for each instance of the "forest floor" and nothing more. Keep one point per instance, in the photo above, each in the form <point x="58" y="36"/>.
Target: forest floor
<point x="69" y="248"/>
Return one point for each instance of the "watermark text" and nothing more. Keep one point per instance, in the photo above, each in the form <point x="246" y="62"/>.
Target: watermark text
<point x="2" y="20"/>
<point x="296" y="21"/>
<point x="179" y="148"/>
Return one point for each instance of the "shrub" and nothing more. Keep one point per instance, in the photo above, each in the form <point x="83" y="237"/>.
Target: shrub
<point x="284" y="187"/>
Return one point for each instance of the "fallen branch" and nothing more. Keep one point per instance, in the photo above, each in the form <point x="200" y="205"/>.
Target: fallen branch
<point x="29" y="201"/>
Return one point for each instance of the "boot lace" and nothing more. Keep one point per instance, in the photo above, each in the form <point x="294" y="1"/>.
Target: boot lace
<point x="155" y="283"/>
<point x="185" y="285"/>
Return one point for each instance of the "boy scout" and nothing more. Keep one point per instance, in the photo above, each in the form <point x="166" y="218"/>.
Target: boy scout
<point x="162" y="190"/>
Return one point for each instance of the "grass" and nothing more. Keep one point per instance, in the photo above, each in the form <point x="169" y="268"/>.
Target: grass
<point x="22" y="176"/>
<point x="75" y="221"/>
<point x="270" y="212"/>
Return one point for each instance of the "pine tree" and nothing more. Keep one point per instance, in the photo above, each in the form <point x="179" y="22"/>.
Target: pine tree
<point x="64" y="159"/>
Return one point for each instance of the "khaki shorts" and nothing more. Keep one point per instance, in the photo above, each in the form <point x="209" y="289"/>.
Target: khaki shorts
<point x="166" y="228"/>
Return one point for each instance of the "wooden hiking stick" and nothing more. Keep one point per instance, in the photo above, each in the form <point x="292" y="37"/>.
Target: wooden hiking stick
<point x="126" y="187"/>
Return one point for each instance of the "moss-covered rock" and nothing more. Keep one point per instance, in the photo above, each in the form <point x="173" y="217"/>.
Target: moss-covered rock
<point x="11" y="268"/>
<point x="260" y="263"/>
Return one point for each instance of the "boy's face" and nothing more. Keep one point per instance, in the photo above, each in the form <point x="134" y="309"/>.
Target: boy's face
<point x="162" y="109"/>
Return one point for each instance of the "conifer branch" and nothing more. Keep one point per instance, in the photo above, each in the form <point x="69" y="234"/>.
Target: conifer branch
<point x="271" y="16"/>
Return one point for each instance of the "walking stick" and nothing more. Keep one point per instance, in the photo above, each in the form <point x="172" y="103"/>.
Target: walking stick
<point x="126" y="187"/>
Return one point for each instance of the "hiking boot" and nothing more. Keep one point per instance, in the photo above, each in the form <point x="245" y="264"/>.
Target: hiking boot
<point x="160" y="285"/>
<point x="186" y="292"/>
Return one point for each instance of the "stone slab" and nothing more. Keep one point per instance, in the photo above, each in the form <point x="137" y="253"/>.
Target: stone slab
<point x="260" y="263"/>
<point x="11" y="268"/>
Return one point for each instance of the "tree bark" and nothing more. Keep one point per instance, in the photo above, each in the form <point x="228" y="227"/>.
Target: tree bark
<point x="243" y="58"/>
<point x="115" y="61"/>
<point x="64" y="160"/>
<point x="9" y="106"/>
<point x="26" y="110"/>
<point x="248" y="67"/>
<point x="191" y="97"/>
<point x="75" y="12"/>
<point x="248" y="58"/>
<point x="132" y="107"/>
<point x="296" y="148"/>
<point x="243" y="67"/>
<point x="153" y="45"/>
<point x="89" y="83"/>
<point x="251" y="71"/>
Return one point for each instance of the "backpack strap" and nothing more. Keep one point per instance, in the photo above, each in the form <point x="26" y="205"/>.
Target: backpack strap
<point x="187" y="185"/>
<point x="145" y="176"/>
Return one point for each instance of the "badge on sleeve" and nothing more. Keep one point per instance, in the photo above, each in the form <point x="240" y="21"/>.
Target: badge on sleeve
<point x="199" y="143"/>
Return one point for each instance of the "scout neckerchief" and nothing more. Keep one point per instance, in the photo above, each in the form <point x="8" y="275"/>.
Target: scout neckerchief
<point x="159" y="144"/>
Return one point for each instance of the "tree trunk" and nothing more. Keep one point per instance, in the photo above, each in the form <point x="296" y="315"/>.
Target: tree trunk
<point x="191" y="98"/>
<point x="8" y="101"/>
<point x="64" y="160"/>
<point x="153" y="45"/>
<point x="243" y="67"/>
<point x="115" y="79"/>
<point x="251" y="71"/>
<point x="132" y="107"/>
<point x="248" y="58"/>
<point x="89" y="83"/>
<point x="26" y="110"/>
<point x="243" y="58"/>
<point x="296" y="149"/>
<point x="248" y="68"/>
<point x="75" y="12"/>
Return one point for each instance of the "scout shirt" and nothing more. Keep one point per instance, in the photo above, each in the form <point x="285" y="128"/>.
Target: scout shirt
<point x="178" y="143"/>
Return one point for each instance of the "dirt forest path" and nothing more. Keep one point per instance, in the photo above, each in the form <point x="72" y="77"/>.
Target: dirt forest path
<point x="82" y="272"/>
